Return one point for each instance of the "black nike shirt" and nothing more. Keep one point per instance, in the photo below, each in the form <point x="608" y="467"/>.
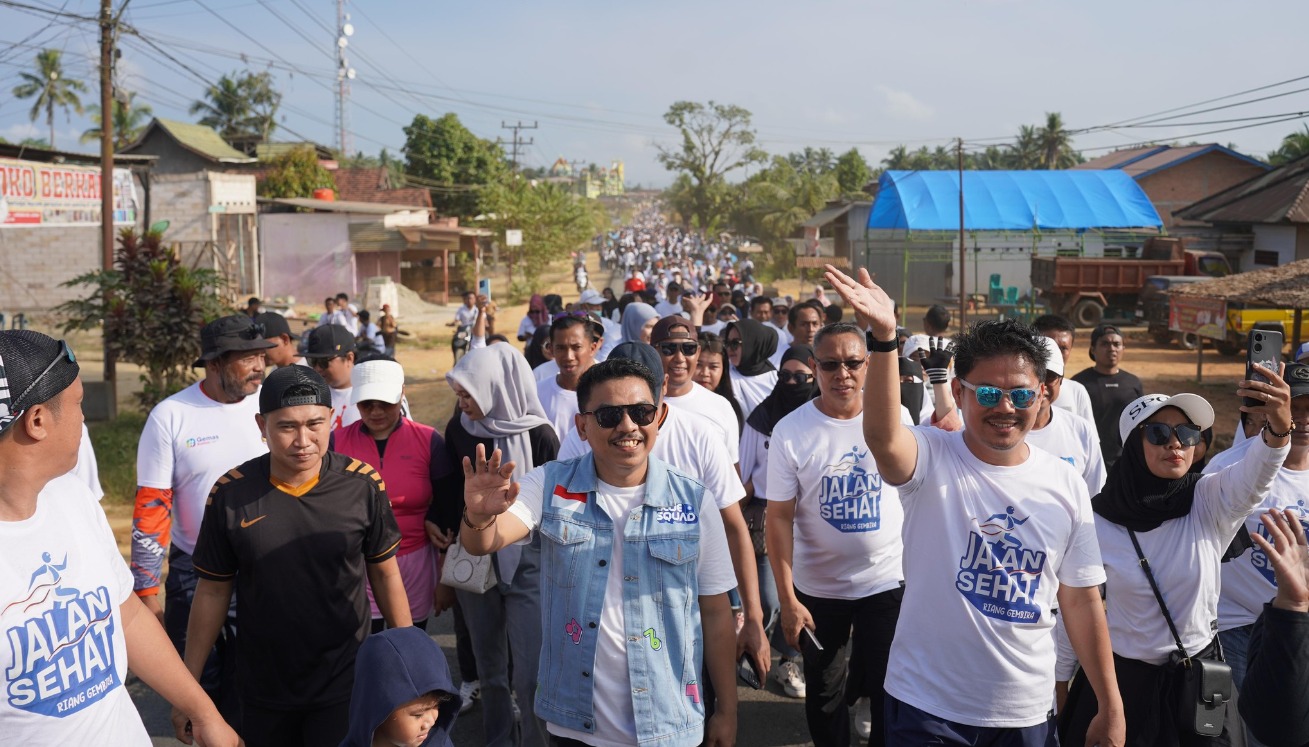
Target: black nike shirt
<point x="298" y="559"/>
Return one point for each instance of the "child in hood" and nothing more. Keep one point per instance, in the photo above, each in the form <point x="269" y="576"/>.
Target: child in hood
<point x="402" y="696"/>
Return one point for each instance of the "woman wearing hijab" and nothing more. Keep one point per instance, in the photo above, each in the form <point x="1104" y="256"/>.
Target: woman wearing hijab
<point x="711" y="372"/>
<point x="749" y="346"/>
<point x="796" y="385"/>
<point x="537" y="316"/>
<point x="498" y="409"/>
<point x="1156" y="520"/>
<point x="638" y="320"/>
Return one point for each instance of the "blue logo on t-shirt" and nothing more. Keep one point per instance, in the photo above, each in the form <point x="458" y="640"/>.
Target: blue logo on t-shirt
<point x="1260" y="559"/>
<point x="1070" y="460"/>
<point x="849" y="496"/>
<point x="999" y="576"/>
<point x="62" y="647"/>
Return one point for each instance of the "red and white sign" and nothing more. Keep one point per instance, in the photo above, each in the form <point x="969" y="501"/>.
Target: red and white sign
<point x="45" y="194"/>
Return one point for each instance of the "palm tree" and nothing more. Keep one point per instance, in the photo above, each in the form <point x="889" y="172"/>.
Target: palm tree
<point x="241" y="107"/>
<point x="1293" y="146"/>
<point x="50" y="88"/>
<point x="1055" y="145"/>
<point x="128" y="121"/>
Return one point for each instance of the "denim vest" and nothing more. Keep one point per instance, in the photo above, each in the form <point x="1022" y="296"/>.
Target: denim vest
<point x="660" y="550"/>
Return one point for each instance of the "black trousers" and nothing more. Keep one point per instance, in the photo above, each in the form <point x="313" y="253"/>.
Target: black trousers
<point x="856" y="638"/>
<point x="314" y="727"/>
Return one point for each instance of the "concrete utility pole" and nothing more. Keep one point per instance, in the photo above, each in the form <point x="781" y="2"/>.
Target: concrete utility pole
<point x="108" y="24"/>
<point x="963" y="297"/>
<point x="517" y="143"/>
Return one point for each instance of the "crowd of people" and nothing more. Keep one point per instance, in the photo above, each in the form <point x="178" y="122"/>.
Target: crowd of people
<point x="664" y="495"/>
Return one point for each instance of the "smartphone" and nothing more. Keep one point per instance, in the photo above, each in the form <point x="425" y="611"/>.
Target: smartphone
<point x="1263" y="350"/>
<point x="809" y="645"/>
<point x="746" y="671"/>
<point x="484" y="287"/>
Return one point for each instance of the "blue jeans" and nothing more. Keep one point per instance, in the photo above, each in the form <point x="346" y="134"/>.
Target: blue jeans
<point x="772" y="607"/>
<point x="1236" y="644"/>
<point x="908" y="725"/>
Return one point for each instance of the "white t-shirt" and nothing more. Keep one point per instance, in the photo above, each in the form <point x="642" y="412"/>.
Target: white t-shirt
<point x="751" y="390"/>
<point x="668" y="308"/>
<point x="189" y="441"/>
<point x="86" y="470"/>
<point x="986" y="549"/>
<point x="784" y="337"/>
<point x="465" y="316"/>
<point x="1248" y="582"/>
<point x="754" y="459"/>
<point x="716" y="328"/>
<point x="63" y="651"/>
<point x="1184" y="554"/>
<point x="691" y="444"/>
<point x="560" y="405"/>
<point x="343" y="413"/>
<point x="716" y="408"/>
<point x="1076" y="441"/>
<point x="1074" y="398"/>
<point x="847" y="521"/>
<point x="615" y="722"/>
<point x="526" y="328"/>
<point x="547" y="370"/>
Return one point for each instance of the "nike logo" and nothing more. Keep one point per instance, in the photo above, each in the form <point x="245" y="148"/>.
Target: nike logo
<point x="253" y="521"/>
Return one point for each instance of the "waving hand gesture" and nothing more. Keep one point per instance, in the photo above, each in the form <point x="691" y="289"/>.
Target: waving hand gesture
<point x="874" y="309"/>
<point x="1289" y="556"/>
<point x="488" y="491"/>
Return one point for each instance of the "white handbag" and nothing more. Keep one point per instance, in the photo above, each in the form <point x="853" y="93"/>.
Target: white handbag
<point x="464" y="570"/>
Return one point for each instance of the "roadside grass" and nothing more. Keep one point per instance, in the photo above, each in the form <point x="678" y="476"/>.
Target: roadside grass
<point x="115" y="449"/>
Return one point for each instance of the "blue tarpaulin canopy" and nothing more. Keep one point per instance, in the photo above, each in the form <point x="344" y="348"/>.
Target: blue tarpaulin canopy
<point x="1011" y="201"/>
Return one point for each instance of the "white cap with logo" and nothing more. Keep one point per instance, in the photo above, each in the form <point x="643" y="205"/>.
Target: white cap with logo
<point x="1196" y="408"/>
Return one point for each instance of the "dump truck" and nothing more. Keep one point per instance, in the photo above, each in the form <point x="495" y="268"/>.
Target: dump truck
<point x="1089" y="289"/>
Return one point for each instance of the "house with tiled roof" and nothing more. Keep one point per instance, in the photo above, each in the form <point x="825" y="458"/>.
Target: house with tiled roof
<point x="376" y="185"/>
<point x="1273" y="207"/>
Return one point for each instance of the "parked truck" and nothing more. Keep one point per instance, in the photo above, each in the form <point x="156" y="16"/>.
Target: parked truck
<point x="1086" y="289"/>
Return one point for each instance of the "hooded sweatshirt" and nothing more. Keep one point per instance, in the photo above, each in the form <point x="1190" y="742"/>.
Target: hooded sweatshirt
<point x="394" y="667"/>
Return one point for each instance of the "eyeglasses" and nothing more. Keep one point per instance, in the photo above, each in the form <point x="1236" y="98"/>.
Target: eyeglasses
<point x="732" y="344"/>
<point x="786" y="377"/>
<point x="610" y="416"/>
<point x="990" y="396"/>
<point x="669" y="349"/>
<point x="1161" y="434"/>
<point x="853" y="364"/>
<point x="65" y="353"/>
<point x="323" y="362"/>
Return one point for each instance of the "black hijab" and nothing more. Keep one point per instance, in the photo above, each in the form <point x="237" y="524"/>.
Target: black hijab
<point x="758" y="343"/>
<point x="784" y="398"/>
<point x="1134" y="498"/>
<point x="536" y="346"/>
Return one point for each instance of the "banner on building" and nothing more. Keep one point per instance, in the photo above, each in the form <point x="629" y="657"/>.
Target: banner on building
<point x="49" y="194"/>
<point x="1205" y="317"/>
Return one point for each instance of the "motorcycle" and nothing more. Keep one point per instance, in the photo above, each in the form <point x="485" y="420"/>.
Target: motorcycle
<point x="459" y="343"/>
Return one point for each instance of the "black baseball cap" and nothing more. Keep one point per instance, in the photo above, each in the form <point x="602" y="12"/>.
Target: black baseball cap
<point x="644" y="354"/>
<point x="1297" y="375"/>
<point x="329" y="341"/>
<point x="275" y="325"/>
<point x="290" y="386"/>
<point x="34" y="369"/>
<point x="229" y="334"/>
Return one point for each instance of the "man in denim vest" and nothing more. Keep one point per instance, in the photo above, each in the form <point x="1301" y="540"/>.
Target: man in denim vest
<point x="629" y="565"/>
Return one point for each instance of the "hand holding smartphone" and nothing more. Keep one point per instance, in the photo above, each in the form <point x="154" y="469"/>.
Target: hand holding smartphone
<point x="1263" y="350"/>
<point x="745" y="670"/>
<point x="809" y="645"/>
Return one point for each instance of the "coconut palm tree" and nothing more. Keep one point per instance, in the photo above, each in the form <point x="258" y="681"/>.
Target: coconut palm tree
<point x="240" y="106"/>
<point x="50" y="88"/>
<point x="1055" y="145"/>
<point x="1293" y="146"/>
<point x="128" y="121"/>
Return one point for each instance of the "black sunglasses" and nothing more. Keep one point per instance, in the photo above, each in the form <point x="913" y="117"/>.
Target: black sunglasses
<point x="669" y="349"/>
<point x="853" y="364"/>
<point x="799" y="377"/>
<point x="65" y="353"/>
<point x="732" y="344"/>
<point x="323" y="362"/>
<point x="610" y="416"/>
<point x="1161" y="434"/>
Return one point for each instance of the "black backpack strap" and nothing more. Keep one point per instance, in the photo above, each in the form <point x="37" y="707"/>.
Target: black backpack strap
<point x="1145" y="566"/>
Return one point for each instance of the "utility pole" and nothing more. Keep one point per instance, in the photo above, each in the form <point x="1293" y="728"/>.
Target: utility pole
<point x="517" y="143"/>
<point x="963" y="297"/>
<point x="344" y="74"/>
<point x="108" y="24"/>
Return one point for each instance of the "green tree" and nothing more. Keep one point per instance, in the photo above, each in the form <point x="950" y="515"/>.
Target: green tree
<point x="150" y="309"/>
<point x="716" y="139"/>
<point x="240" y="106"/>
<point x="1054" y="144"/>
<point x="772" y="204"/>
<point x="815" y="160"/>
<point x="128" y="121"/>
<point x="1294" y="145"/>
<point x="852" y="173"/>
<point x="296" y="173"/>
<point x="51" y="89"/>
<point x="554" y="222"/>
<point x="453" y="162"/>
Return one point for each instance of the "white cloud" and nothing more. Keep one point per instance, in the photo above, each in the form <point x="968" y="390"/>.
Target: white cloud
<point x="903" y="105"/>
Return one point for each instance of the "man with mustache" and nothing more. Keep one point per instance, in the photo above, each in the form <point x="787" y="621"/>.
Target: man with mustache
<point x="189" y="441"/>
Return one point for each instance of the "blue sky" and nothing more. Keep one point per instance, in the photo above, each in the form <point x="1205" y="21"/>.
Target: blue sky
<point x="597" y="76"/>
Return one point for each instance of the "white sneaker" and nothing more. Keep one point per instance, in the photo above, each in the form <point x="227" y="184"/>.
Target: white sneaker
<point x="789" y="675"/>
<point x="863" y="717"/>
<point x="468" y="693"/>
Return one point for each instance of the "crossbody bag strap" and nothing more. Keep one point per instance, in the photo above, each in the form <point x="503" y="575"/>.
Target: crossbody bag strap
<point x="1149" y="575"/>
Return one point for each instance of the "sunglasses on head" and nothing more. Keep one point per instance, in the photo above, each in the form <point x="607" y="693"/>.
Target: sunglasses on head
<point x="669" y="349"/>
<point x="1161" y="434"/>
<point x="254" y="332"/>
<point x="990" y="396"/>
<point x="798" y="377"/>
<point x="852" y="364"/>
<point x="65" y="353"/>
<point x="610" y="416"/>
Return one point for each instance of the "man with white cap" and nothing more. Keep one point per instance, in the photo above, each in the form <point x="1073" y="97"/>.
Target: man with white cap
<point x="1070" y="437"/>
<point x="594" y="302"/>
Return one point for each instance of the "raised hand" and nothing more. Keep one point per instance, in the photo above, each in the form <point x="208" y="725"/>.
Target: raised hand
<point x="940" y="351"/>
<point x="1274" y="398"/>
<point x="488" y="491"/>
<point x="696" y="304"/>
<point x="874" y="309"/>
<point x="1289" y="555"/>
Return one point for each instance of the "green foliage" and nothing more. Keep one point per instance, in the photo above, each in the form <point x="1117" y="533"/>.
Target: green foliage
<point x="456" y="162"/>
<point x="553" y="220"/>
<point x="716" y="139"/>
<point x="115" y="446"/>
<point x="240" y="106"/>
<point x="128" y="121"/>
<point x="51" y="89"/>
<point x="150" y="308"/>
<point x="1048" y="146"/>
<point x="852" y="174"/>
<point x="773" y="203"/>
<point x="1294" y="145"/>
<point x="296" y="173"/>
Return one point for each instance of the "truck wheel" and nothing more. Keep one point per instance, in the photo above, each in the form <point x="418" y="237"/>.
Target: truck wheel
<point x="1087" y="313"/>
<point x="1230" y="346"/>
<point x="1188" y="340"/>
